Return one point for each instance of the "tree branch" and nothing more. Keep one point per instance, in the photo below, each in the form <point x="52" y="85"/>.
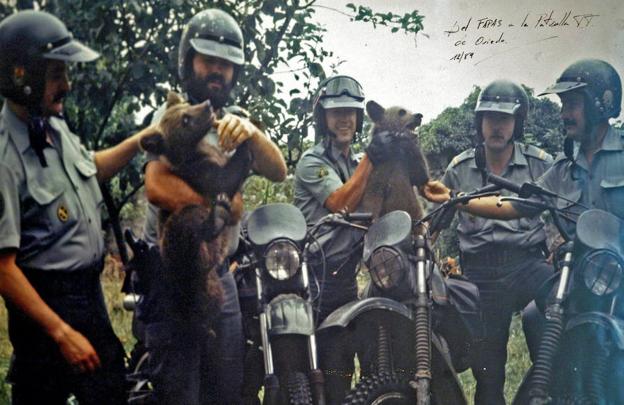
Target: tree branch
<point x="274" y="47"/>
<point x="118" y="90"/>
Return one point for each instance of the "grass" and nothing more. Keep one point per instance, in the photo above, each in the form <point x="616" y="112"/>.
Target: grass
<point x="518" y="359"/>
<point x="517" y="364"/>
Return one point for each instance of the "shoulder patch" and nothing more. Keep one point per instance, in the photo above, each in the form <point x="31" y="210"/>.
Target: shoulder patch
<point x="323" y="171"/>
<point x="465" y="155"/>
<point x="535" y="152"/>
<point x="236" y="110"/>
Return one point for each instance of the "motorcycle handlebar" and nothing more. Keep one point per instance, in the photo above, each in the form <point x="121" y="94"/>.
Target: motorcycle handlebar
<point x="504" y="183"/>
<point x="358" y="216"/>
<point x="524" y="191"/>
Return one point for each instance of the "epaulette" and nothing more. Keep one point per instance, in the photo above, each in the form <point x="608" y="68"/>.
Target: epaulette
<point x="465" y="155"/>
<point x="236" y="110"/>
<point x="535" y="152"/>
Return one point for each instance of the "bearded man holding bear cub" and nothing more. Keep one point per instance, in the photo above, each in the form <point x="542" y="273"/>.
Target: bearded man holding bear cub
<point x="201" y="362"/>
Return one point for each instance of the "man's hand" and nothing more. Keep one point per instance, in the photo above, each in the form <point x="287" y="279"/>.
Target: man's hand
<point x="435" y="191"/>
<point x="76" y="349"/>
<point x="234" y="130"/>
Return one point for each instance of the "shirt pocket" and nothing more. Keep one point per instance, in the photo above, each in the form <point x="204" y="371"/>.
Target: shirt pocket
<point x="613" y="195"/>
<point x="473" y="225"/>
<point x="45" y="213"/>
<point x="87" y="170"/>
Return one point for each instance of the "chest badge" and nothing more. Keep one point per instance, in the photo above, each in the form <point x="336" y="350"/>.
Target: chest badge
<point x="62" y="213"/>
<point x="322" y="172"/>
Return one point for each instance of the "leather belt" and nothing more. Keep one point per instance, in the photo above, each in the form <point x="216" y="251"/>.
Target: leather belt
<point x="496" y="257"/>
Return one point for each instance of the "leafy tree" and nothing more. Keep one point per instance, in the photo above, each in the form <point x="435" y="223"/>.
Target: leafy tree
<point x="453" y="130"/>
<point x="449" y="133"/>
<point x="138" y="41"/>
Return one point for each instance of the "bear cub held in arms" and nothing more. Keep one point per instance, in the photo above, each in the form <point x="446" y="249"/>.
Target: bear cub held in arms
<point x="193" y="244"/>
<point x="390" y="186"/>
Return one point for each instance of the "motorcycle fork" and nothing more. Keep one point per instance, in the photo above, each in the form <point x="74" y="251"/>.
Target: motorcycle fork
<point x="422" y="378"/>
<point x="317" y="381"/>
<point x="271" y="382"/>
<point x="551" y="337"/>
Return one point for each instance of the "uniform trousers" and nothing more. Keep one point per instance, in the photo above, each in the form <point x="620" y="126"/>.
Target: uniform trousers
<point x="503" y="290"/>
<point x="197" y="363"/>
<point x="39" y="373"/>
<point x="336" y="350"/>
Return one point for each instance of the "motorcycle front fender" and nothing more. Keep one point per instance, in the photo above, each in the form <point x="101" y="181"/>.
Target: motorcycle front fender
<point x="612" y="324"/>
<point x="290" y="314"/>
<point x="344" y="315"/>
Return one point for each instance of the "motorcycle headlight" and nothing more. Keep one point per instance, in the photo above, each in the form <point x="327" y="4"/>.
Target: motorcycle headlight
<point x="602" y="271"/>
<point x="386" y="267"/>
<point x="282" y="260"/>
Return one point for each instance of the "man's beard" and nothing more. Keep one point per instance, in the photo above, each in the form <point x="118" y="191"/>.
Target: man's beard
<point x="198" y="90"/>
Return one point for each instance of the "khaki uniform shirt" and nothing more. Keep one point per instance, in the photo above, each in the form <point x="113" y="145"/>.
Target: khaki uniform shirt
<point x="478" y="234"/>
<point x="599" y="185"/>
<point x="51" y="215"/>
<point x="322" y="170"/>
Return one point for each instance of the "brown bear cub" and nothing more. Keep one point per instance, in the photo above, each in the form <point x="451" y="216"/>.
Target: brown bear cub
<point x="193" y="243"/>
<point x="390" y="185"/>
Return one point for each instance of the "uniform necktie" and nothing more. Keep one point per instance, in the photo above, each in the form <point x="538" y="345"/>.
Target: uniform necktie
<point x="37" y="133"/>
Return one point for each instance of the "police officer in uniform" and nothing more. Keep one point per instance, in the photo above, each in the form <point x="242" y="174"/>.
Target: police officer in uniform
<point x="193" y="369"/>
<point x="590" y="170"/>
<point x="51" y="246"/>
<point x="328" y="178"/>
<point x="505" y="259"/>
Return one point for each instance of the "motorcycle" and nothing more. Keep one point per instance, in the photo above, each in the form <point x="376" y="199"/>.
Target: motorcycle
<point x="276" y="237"/>
<point x="135" y="287"/>
<point x="580" y="359"/>
<point x="419" y="323"/>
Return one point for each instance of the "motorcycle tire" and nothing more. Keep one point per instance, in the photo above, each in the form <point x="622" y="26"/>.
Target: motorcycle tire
<point x="384" y="388"/>
<point x="298" y="387"/>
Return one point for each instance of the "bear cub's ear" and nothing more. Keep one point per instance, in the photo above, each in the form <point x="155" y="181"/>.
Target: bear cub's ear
<point x="174" y="98"/>
<point x="153" y="142"/>
<point x="375" y="111"/>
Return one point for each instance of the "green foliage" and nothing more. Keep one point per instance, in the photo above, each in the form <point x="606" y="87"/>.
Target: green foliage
<point x="260" y="191"/>
<point x="408" y="22"/>
<point x="543" y="125"/>
<point x="449" y="133"/>
<point x="138" y="41"/>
